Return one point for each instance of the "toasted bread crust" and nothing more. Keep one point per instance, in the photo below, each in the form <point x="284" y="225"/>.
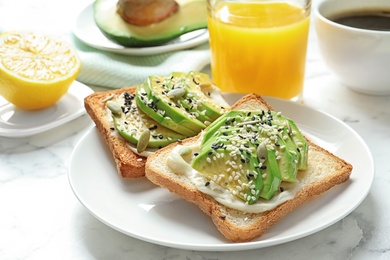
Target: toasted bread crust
<point x="325" y="170"/>
<point x="129" y="164"/>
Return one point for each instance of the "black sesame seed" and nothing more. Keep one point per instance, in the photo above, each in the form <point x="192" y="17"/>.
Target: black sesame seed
<point x="215" y="146"/>
<point x="207" y="184"/>
<point x="281" y="189"/>
<point x="263" y="167"/>
<point x="196" y="154"/>
<point x="222" y="216"/>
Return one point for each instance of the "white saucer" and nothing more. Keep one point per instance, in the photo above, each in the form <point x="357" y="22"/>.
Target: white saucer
<point x="87" y="31"/>
<point x="19" y="123"/>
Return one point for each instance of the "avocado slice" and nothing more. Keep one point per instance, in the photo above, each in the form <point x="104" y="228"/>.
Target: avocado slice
<point x="191" y="16"/>
<point x="293" y="136"/>
<point x="257" y="146"/>
<point x="237" y="174"/>
<point x="177" y="102"/>
<point x="131" y="123"/>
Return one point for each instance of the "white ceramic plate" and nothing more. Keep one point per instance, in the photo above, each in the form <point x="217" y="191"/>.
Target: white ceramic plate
<point x="87" y="31"/>
<point x="150" y="213"/>
<point x="19" y="123"/>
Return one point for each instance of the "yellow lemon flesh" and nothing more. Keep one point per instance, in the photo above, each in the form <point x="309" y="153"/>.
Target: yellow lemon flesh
<point x="36" y="70"/>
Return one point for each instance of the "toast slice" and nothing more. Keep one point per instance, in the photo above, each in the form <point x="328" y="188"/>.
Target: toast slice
<point x="324" y="171"/>
<point x="128" y="163"/>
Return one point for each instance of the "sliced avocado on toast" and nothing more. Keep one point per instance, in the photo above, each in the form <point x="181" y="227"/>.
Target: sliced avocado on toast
<point x="191" y="16"/>
<point x="251" y="153"/>
<point x="144" y="124"/>
<point x="180" y="101"/>
<point x="136" y="127"/>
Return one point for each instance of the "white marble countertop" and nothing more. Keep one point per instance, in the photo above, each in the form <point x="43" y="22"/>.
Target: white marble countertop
<point x="42" y="219"/>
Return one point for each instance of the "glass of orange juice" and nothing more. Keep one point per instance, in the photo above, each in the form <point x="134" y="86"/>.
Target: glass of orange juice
<point x="259" y="46"/>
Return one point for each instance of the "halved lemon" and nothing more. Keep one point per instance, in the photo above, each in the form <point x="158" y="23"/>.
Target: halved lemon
<point x="36" y="70"/>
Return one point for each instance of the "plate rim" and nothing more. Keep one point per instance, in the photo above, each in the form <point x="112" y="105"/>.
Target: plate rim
<point x="77" y="90"/>
<point x="142" y="51"/>
<point x="229" y="246"/>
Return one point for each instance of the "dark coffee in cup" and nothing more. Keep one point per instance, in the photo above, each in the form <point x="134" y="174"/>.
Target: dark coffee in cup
<point x="365" y="19"/>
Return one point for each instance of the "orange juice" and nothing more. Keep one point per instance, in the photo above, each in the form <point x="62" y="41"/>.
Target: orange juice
<point x="258" y="47"/>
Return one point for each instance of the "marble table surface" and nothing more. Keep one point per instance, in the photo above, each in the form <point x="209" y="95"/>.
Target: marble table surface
<point x="42" y="219"/>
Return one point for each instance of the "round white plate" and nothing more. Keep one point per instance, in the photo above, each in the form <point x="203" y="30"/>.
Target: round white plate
<point x="87" y="31"/>
<point x="20" y="123"/>
<point x="142" y="210"/>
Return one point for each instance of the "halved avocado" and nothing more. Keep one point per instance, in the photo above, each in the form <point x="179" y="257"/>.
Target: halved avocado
<point x="191" y="16"/>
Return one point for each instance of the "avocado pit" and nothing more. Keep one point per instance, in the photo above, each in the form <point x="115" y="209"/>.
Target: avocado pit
<point x="146" y="12"/>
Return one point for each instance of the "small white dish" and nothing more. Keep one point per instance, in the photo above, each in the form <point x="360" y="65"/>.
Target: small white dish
<point x="20" y="123"/>
<point x="147" y="212"/>
<point x="87" y="31"/>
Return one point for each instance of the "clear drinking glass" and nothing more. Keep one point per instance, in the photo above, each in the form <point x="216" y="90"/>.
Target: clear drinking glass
<point x="259" y="46"/>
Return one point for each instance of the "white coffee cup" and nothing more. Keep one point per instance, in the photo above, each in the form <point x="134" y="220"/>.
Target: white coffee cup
<point x="359" y="57"/>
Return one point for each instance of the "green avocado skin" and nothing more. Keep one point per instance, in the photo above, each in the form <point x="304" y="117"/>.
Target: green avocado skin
<point x="192" y="15"/>
<point x="229" y="153"/>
